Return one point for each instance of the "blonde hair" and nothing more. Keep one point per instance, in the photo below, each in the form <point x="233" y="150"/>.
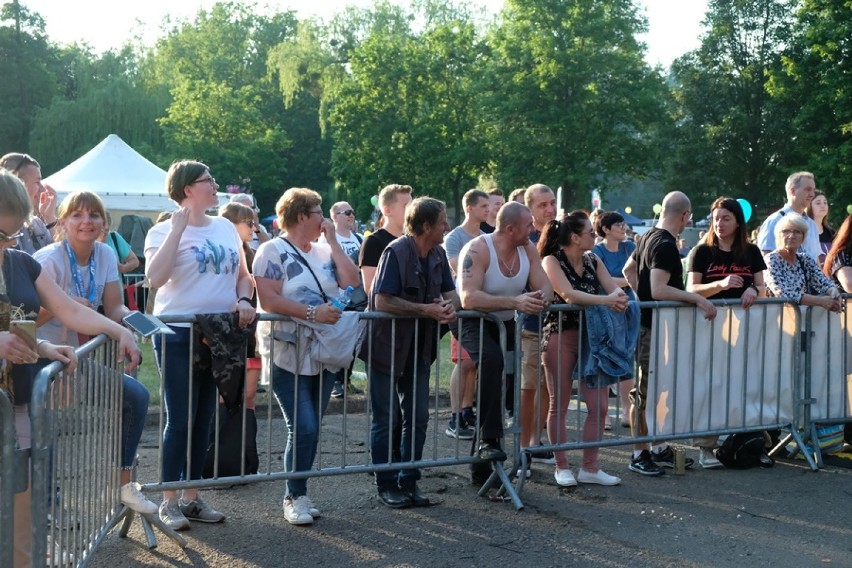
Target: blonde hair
<point x="75" y="202"/>
<point x="295" y="201"/>
<point x="792" y="221"/>
<point x="388" y="194"/>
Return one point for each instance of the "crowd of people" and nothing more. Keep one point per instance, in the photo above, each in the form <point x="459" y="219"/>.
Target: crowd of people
<point x="62" y="265"/>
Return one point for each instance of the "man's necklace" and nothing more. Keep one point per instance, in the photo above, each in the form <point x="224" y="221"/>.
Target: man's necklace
<point x="510" y="270"/>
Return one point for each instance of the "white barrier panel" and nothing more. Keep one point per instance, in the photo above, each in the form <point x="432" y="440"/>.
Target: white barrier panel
<point x="831" y="364"/>
<point x="734" y="372"/>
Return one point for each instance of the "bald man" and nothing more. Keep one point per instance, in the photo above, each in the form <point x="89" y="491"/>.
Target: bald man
<point x="655" y="273"/>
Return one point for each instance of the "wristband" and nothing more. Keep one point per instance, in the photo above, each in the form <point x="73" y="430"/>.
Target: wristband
<point x="244" y="299"/>
<point x="51" y="225"/>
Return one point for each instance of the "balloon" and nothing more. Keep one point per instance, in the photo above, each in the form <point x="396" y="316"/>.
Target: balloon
<point x="849" y="209"/>
<point x="746" y="208"/>
<point x="657" y="208"/>
<point x="374" y="200"/>
<point x="628" y="210"/>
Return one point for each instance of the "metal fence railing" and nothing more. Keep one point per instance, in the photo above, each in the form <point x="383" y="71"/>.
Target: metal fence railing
<point x="748" y="370"/>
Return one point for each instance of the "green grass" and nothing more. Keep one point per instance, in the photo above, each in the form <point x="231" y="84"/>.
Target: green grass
<point x="148" y="374"/>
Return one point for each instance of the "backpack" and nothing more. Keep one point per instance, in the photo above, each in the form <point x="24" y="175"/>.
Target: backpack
<point x="744" y="450"/>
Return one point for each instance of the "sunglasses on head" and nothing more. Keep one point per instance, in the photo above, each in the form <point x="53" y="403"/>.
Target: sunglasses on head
<point x="5" y="238"/>
<point x="24" y="160"/>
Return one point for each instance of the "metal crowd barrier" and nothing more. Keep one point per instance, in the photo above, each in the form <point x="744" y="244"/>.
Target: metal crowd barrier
<point x="8" y="447"/>
<point x="76" y="426"/>
<point x="345" y="461"/>
<point x="737" y="373"/>
<point x="826" y="384"/>
<point x="135" y="291"/>
<point x="742" y="372"/>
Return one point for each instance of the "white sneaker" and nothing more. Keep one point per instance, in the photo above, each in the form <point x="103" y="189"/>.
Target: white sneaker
<point x="708" y="460"/>
<point x="527" y="475"/>
<point x="296" y="512"/>
<point x="608" y="422"/>
<point x="564" y="477"/>
<point x="600" y="477"/>
<point x="131" y="495"/>
<point x="312" y="509"/>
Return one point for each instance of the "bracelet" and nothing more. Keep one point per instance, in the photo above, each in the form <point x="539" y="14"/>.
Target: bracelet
<point x="311" y="314"/>
<point x="51" y="225"/>
<point x="754" y="287"/>
<point x="244" y="299"/>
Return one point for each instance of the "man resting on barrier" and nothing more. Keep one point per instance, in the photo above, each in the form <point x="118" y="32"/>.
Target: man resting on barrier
<point x="412" y="279"/>
<point x="655" y="272"/>
<point x="496" y="269"/>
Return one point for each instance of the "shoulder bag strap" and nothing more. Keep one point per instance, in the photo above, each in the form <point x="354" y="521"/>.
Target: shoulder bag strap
<point x="308" y="266"/>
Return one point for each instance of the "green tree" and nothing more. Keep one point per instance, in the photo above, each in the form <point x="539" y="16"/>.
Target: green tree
<point x="102" y="96"/>
<point x="814" y="87"/>
<point x="225" y="109"/>
<point x="28" y="67"/>
<point x="407" y="113"/>
<point x="732" y="137"/>
<point x="570" y="100"/>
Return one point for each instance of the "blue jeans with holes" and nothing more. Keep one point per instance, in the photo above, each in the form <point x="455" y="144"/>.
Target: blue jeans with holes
<point x="186" y="407"/>
<point x="134" y="409"/>
<point x="303" y="401"/>
<point x="410" y="393"/>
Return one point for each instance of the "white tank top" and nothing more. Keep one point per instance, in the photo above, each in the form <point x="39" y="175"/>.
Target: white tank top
<point x="497" y="284"/>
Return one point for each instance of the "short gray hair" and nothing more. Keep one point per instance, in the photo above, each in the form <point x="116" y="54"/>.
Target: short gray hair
<point x="791" y="221"/>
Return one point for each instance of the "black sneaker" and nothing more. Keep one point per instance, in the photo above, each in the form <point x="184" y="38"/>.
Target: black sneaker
<point x="666" y="459"/>
<point x="644" y="465"/>
<point x="456" y="429"/>
<point x="337" y="390"/>
<point x="468" y="417"/>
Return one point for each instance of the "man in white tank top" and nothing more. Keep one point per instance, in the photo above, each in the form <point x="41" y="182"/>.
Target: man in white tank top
<point x="495" y="270"/>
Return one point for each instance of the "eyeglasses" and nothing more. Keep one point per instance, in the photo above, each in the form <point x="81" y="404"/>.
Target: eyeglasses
<point x="250" y="223"/>
<point x="210" y="179"/>
<point x="348" y="212"/>
<point x="620" y="225"/>
<point x="690" y="215"/>
<point x="5" y="238"/>
<point x="790" y="232"/>
<point x="314" y="213"/>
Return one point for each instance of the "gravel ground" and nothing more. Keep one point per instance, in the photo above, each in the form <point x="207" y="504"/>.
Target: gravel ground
<point x="786" y="516"/>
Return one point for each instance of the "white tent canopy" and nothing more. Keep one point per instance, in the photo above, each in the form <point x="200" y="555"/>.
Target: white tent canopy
<point x="123" y="179"/>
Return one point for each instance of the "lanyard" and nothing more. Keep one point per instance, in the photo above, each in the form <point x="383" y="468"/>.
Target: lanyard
<point x="78" y="284"/>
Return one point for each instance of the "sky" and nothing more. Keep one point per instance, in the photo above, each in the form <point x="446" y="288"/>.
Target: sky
<point x="674" y="25"/>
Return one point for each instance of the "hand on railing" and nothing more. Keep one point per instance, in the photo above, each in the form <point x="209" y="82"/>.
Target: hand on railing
<point x="441" y="311"/>
<point x="707" y="307"/>
<point x="128" y="351"/>
<point x="617" y="301"/>
<point x="530" y="302"/>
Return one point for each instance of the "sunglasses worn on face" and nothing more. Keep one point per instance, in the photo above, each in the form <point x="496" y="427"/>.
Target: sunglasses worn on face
<point x="249" y="222"/>
<point x="348" y="212"/>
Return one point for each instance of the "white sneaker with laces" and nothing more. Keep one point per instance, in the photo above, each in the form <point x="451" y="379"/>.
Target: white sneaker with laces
<point x="312" y="509"/>
<point x="600" y="477"/>
<point x="296" y="512"/>
<point x="131" y="495"/>
<point x="564" y="477"/>
<point x="708" y="459"/>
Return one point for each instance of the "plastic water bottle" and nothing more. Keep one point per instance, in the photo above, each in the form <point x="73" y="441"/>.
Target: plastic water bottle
<point x="343" y="298"/>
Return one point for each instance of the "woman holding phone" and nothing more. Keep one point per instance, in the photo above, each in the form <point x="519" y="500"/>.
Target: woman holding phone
<point x="23" y="291"/>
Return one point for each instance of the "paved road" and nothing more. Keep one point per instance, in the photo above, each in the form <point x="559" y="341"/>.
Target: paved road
<point x="782" y="517"/>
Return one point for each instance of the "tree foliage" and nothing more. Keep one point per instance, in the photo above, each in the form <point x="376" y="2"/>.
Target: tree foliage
<point x="732" y="137"/>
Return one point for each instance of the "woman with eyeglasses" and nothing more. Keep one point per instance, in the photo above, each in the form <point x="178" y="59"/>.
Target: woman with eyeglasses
<point x="795" y="274"/>
<point x="724" y="265"/>
<point x="41" y="227"/>
<point x="24" y="289"/>
<point x="86" y="269"/>
<point x="296" y="276"/>
<point x="578" y="277"/>
<point x="614" y="250"/>
<point x="197" y="263"/>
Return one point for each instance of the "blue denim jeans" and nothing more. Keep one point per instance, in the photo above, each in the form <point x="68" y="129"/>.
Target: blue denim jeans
<point x="134" y="409"/>
<point x="303" y="401"/>
<point x="188" y="406"/>
<point x="409" y="393"/>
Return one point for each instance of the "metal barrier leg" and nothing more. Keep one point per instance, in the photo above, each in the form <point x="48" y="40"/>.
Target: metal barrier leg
<point x="499" y="475"/>
<point x="149" y="522"/>
<point x="800" y="447"/>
